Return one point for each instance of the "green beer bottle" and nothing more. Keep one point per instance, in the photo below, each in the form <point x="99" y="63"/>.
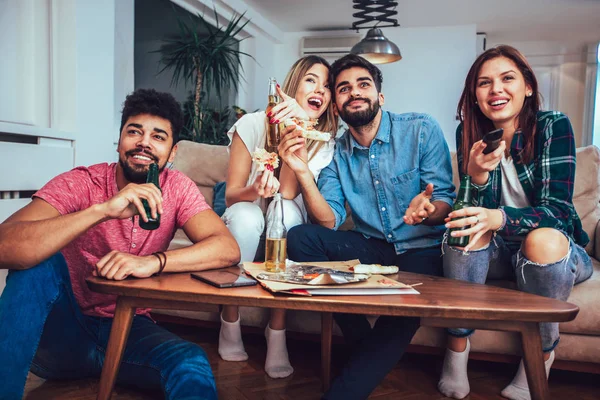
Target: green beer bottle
<point x="153" y="223"/>
<point x="462" y="200"/>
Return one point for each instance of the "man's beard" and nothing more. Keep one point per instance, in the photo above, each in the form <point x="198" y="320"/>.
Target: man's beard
<point x="137" y="174"/>
<point x="360" y="118"/>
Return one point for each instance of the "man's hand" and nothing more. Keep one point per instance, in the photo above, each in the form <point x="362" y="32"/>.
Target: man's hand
<point x="118" y="266"/>
<point x="128" y="202"/>
<point x="420" y="207"/>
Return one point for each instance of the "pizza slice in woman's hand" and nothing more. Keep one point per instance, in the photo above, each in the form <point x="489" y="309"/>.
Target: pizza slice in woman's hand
<point x="308" y="129"/>
<point x="265" y="160"/>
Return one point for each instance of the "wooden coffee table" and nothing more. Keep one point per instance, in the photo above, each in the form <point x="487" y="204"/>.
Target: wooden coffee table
<point x="442" y="303"/>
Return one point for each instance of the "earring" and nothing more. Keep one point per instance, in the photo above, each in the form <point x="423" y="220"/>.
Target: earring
<point x="529" y="94"/>
<point x="475" y="101"/>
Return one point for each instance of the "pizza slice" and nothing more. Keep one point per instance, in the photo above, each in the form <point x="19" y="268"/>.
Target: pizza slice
<point x="375" y="269"/>
<point x="308" y="129"/>
<point x="265" y="160"/>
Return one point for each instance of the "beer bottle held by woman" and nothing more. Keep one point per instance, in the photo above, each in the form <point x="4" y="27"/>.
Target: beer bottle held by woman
<point x="276" y="252"/>
<point x="153" y="223"/>
<point x="273" y="134"/>
<point x="462" y="200"/>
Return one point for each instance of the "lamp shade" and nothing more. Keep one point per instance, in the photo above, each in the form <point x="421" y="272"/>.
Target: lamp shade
<point x="376" y="48"/>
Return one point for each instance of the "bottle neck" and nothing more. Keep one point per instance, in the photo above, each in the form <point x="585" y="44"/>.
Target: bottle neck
<point x="464" y="192"/>
<point x="276" y="227"/>
<point x="152" y="174"/>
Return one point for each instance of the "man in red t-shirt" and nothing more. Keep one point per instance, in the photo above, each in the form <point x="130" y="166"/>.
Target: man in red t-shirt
<point x="86" y="222"/>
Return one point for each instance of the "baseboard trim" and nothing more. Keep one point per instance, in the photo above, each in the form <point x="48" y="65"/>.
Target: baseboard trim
<point x="575" y="366"/>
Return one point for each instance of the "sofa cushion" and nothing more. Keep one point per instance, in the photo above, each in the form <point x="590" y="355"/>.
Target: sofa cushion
<point x="219" y="205"/>
<point x="586" y="295"/>
<point x="586" y="196"/>
<point x="205" y="164"/>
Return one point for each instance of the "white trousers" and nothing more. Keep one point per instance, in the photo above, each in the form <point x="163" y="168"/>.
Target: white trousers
<point x="246" y="223"/>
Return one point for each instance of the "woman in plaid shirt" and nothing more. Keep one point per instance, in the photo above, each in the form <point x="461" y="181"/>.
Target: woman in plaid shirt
<point x="524" y="225"/>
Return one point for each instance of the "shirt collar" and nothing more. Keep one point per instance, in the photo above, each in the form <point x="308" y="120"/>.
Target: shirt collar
<point x="383" y="134"/>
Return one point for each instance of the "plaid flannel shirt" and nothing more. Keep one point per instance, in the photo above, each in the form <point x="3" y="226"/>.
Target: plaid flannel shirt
<point x="548" y="181"/>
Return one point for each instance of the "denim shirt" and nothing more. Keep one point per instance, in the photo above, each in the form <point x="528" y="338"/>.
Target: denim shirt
<point x="378" y="182"/>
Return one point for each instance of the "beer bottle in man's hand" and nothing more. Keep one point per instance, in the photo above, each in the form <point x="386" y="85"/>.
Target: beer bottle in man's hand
<point x="462" y="200"/>
<point x="153" y="223"/>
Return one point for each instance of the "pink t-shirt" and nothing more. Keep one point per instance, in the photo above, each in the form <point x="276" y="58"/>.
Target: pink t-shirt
<point x="83" y="187"/>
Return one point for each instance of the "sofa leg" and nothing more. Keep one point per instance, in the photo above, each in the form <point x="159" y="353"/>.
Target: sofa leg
<point x="326" y="335"/>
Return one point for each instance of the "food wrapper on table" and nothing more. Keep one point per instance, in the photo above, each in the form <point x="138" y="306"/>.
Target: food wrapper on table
<point x="325" y="278"/>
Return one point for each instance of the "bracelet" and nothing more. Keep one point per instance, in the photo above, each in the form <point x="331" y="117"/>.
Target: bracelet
<point x="162" y="259"/>
<point x="503" y="224"/>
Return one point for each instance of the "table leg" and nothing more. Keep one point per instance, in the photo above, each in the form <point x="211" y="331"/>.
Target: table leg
<point x="326" y="333"/>
<point x="116" y="346"/>
<point x="533" y="360"/>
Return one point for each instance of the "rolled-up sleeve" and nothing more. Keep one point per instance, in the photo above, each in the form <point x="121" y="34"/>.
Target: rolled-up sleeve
<point x="435" y="163"/>
<point x="331" y="189"/>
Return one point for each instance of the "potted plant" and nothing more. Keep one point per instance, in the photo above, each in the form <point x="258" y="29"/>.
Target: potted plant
<point x="204" y="60"/>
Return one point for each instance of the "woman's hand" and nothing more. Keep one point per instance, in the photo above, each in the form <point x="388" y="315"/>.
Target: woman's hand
<point x="287" y="109"/>
<point x="481" y="164"/>
<point x="266" y="185"/>
<point x="292" y="150"/>
<point x="480" y="220"/>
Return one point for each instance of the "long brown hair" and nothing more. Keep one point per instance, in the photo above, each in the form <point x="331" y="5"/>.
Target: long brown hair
<point x="328" y="121"/>
<point x="475" y="124"/>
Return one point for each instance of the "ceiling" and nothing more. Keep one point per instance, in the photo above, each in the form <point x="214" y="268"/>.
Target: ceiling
<point x="517" y="20"/>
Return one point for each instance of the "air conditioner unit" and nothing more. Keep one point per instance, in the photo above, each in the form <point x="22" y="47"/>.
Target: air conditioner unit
<point x="480" y="43"/>
<point x="329" y="47"/>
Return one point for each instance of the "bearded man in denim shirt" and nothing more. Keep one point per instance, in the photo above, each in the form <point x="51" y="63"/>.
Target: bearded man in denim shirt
<point x="394" y="171"/>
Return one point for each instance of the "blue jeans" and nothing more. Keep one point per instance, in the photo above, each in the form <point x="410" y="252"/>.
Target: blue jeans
<point x="43" y="330"/>
<point x="505" y="260"/>
<point x="375" y="350"/>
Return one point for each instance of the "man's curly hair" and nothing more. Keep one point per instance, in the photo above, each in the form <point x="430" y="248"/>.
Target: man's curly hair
<point x="160" y="104"/>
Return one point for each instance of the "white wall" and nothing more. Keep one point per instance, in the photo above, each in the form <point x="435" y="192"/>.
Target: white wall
<point x="86" y="51"/>
<point x="124" y="57"/>
<point x="95" y="64"/>
<point x="428" y="79"/>
<point x="253" y="90"/>
<point x="560" y="68"/>
<point x="596" y="114"/>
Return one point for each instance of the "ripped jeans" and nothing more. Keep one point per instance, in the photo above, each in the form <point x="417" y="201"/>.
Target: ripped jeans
<point x="505" y="260"/>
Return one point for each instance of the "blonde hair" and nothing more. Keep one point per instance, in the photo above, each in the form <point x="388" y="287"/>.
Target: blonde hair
<point x="328" y="121"/>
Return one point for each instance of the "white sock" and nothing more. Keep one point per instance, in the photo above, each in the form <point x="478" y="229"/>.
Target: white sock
<point x="231" y="346"/>
<point x="454" y="381"/>
<point x="277" y="364"/>
<point x="518" y="388"/>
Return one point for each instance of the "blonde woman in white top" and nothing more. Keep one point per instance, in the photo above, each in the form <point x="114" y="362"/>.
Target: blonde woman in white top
<point x="306" y="95"/>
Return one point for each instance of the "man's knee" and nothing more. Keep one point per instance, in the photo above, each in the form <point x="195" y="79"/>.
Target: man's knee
<point x="51" y="270"/>
<point x="191" y="375"/>
<point x="298" y="238"/>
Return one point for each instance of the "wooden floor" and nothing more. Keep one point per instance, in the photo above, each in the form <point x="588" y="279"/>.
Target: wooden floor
<point x="415" y="377"/>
